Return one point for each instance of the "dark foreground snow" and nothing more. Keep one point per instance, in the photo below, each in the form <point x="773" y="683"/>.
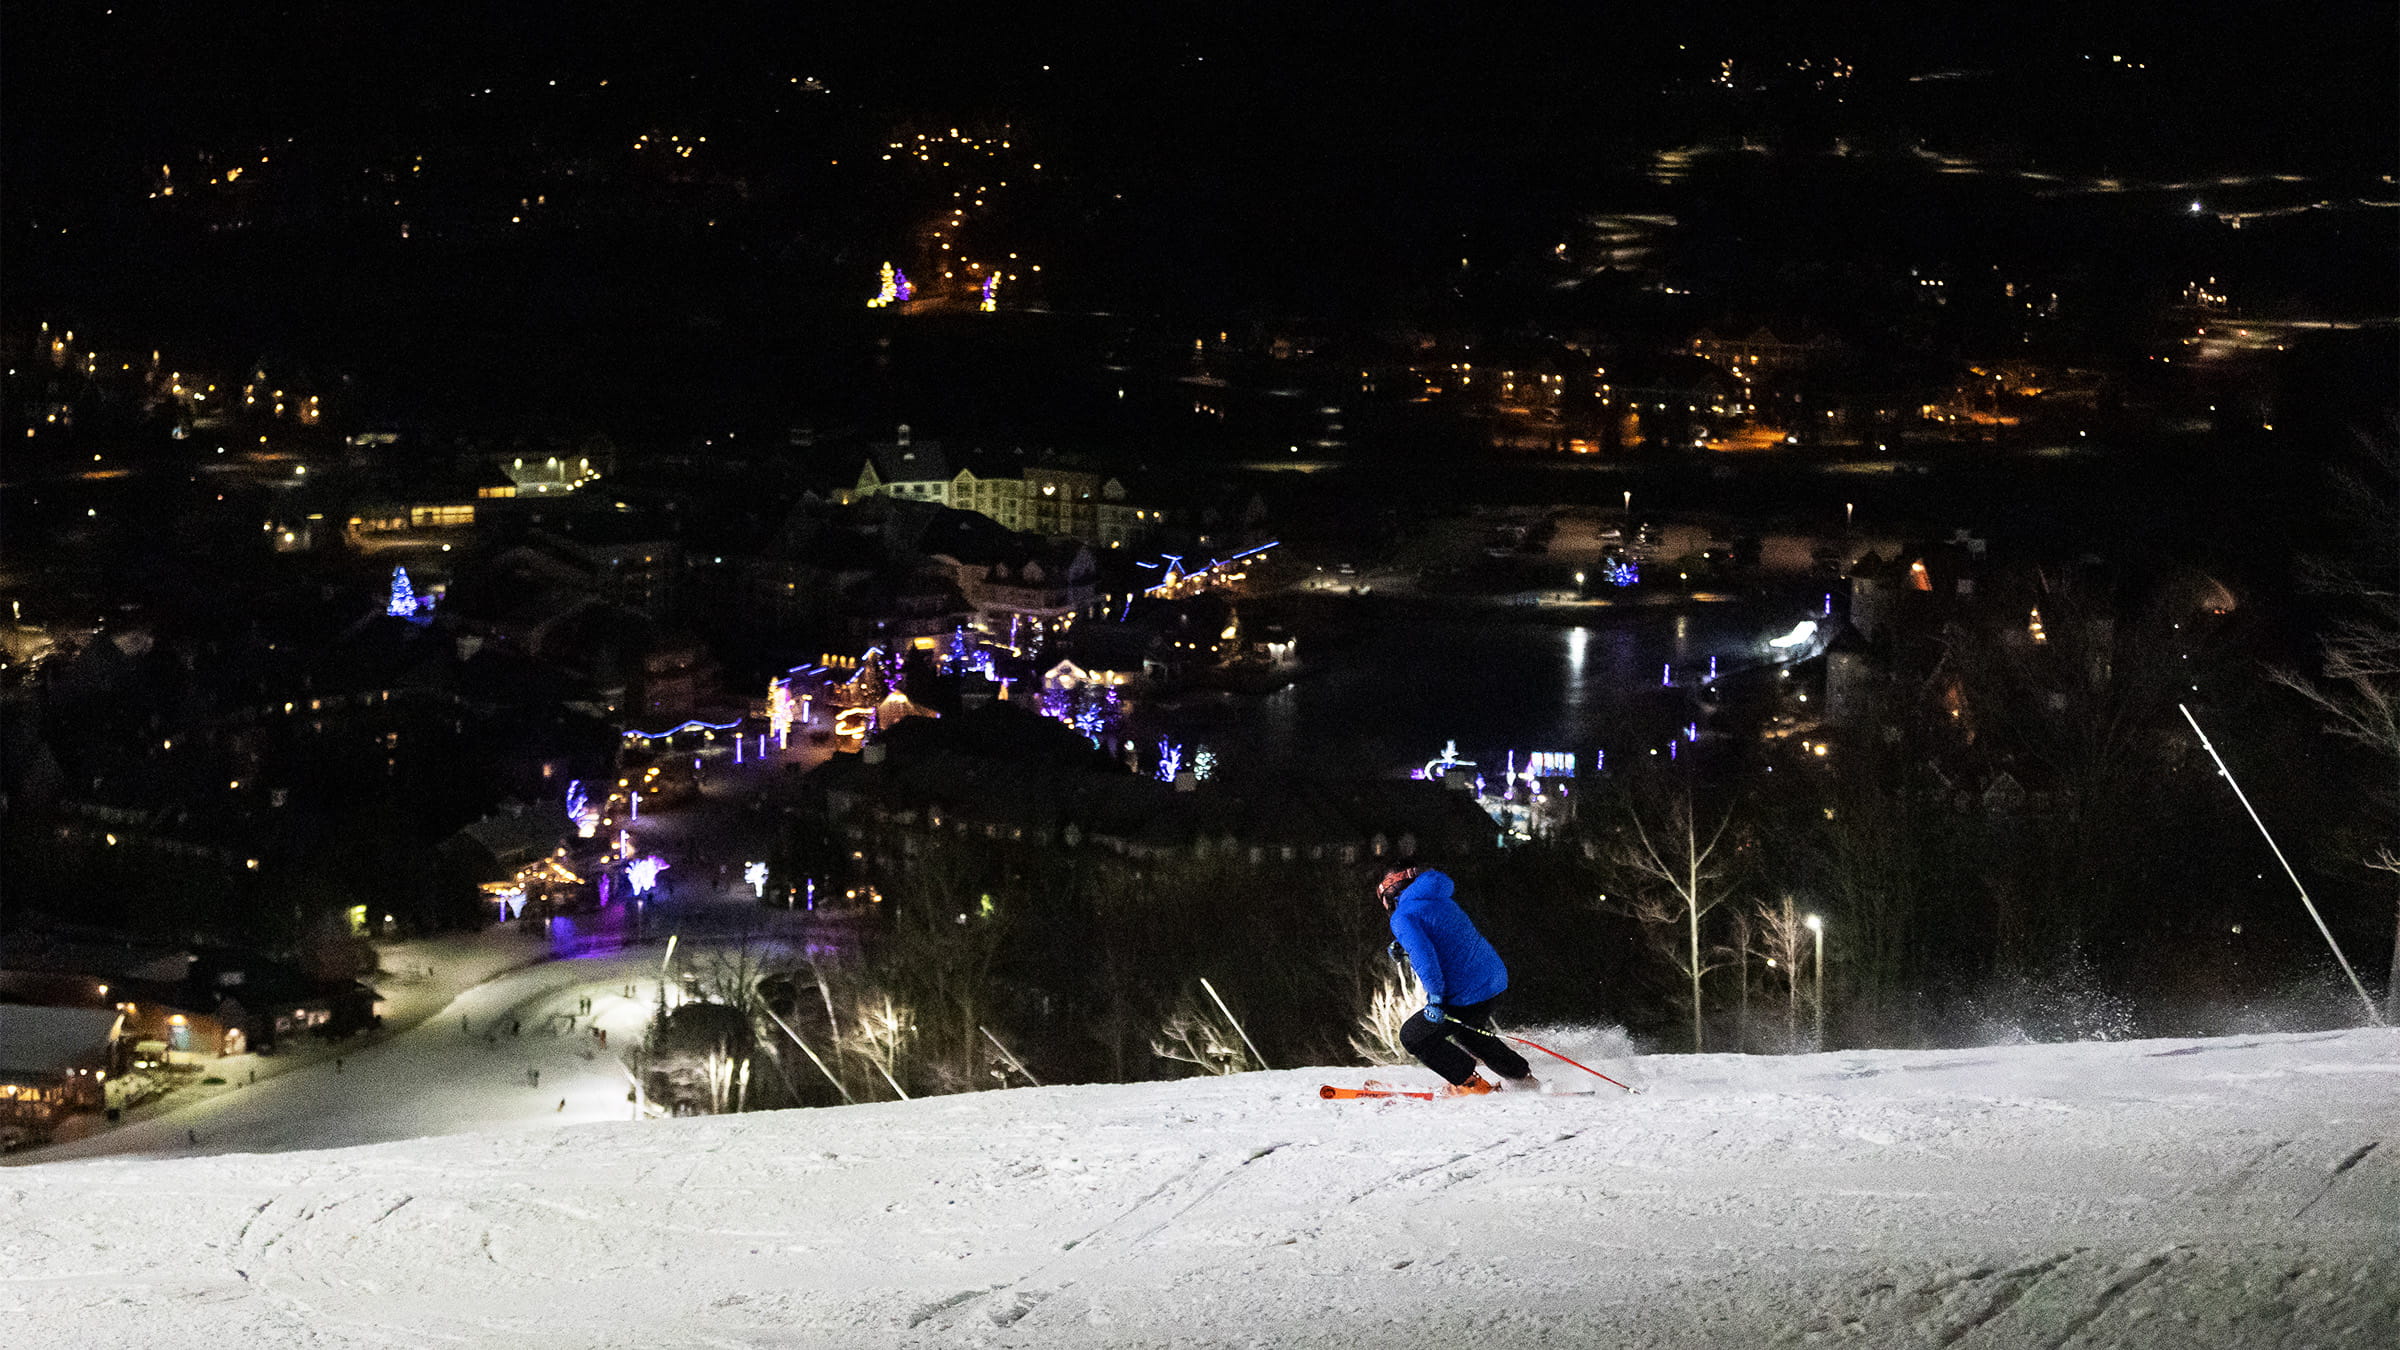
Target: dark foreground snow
<point x="2235" y="1193"/>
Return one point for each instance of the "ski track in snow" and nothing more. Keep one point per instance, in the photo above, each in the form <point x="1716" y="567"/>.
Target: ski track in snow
<point x="2235" y="1193"/>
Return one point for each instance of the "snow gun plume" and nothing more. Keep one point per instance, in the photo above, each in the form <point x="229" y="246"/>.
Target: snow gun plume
<point x="1557" y="1056"/>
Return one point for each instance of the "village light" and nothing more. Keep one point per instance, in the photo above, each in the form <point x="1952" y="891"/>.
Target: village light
<point x="643" y="872"/>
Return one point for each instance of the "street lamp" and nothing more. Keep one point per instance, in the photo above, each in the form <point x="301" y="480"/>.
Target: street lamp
<point x="1816" y="925"/>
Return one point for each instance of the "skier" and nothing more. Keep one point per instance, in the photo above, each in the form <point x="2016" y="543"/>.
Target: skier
<point x="1462" y="976"/>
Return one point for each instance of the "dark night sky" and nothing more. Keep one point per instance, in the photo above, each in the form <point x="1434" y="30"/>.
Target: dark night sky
<point x="1136" y="76"/>
<point x="1211" y="157"/>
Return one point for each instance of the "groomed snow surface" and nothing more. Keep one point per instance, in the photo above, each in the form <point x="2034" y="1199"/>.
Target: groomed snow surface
<point x="2221" y="1193"/>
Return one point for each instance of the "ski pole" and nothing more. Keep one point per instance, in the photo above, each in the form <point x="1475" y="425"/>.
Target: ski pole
<point x="1555" y="1055"/>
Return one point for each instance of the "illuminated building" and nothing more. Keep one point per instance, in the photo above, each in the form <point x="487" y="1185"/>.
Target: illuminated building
<point x="1048" y="499"/>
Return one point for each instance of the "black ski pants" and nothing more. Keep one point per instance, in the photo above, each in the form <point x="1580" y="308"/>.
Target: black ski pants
<point x="1450" y="1048"/>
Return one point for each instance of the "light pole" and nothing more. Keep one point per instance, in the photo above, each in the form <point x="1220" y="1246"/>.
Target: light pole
<point x="1816" y="925"/>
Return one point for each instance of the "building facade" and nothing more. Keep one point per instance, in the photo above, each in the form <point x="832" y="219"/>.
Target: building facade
<point x="1063" y="503"/>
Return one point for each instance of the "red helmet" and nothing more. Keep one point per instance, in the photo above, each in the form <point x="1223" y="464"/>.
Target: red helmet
<point x="1394" y="882"/>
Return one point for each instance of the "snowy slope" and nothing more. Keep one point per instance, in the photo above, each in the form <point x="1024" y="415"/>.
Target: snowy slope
<point x="462" y="1070"/>
<point x="2169" y="1194"/>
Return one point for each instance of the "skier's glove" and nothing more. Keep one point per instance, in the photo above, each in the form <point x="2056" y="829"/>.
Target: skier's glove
<point x="1434" y="1013"/>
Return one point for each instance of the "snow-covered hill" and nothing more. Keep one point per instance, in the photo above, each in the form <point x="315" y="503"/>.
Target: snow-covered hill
<point x="2172" y="1194"/>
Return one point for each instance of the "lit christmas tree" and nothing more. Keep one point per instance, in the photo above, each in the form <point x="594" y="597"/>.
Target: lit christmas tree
<point x="889" y="291"/>
<point x="1090" y="717"/>
<point x="991" y="292"/>
<point x="1090" y="709"/>
<point x="403" y="604"/>
<point x="782" y="710"/>
<point x="643" y="873"/>
<point x="582" y="811"/>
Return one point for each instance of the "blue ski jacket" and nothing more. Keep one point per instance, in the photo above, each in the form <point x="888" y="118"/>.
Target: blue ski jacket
<point x="1457" y="966"/>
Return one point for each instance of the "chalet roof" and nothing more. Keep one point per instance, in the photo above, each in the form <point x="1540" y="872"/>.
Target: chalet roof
<point x="1769" y="330"/>
<point x="969" y="537"/>
<point x="105" y="960"/>
<point x="1524" y="353"/>
<point x="1677" y="375"/>
<point x="916" y="462"/>
<point x="1106" y="646"/>
<point x="1011" y="553"/>
<point x="1847" y="638"/>
<point x="1874" y="566"/>
<point x="1001" y="731"/>
<point x="512" y="839"/>
<point x="876" y="592"/>
<point x="46" y="1042"/>
<point x="235" y="983"/>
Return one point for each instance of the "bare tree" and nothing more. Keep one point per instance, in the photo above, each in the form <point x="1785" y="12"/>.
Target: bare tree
<point x="2082" y="708"/>
<point x="881" y="1034"/>
<point x="940" y="963"/>
<point x="2358" y="685"/>
<point x="1396" y="999"/>
<point x="1682" y="869"/>
<point x="1874" y="842"/>
<point x="730" y="974"/>
<point x="1784" y="939"/>
<point x="728" y="1077"/>
<point x="1195" y="1036"/>
<point x="734" y="976"/>
<point x="1741" y="948"/>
